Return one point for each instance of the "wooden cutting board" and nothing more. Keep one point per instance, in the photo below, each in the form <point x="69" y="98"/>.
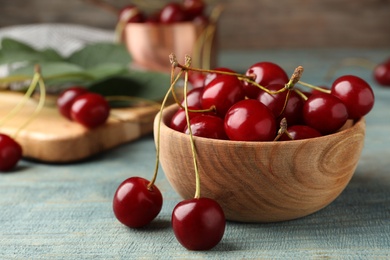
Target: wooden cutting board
<point x="52" y="138"/>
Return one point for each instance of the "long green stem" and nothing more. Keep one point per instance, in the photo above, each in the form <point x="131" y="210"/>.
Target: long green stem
<point x="314" y="87"/>
<point x="25" y="98"/>
<point x="173" y="83"/>
<point x="194" y="156"/>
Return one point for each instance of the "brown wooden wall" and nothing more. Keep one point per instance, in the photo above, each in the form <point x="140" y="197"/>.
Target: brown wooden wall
<point x="245" y="24"/>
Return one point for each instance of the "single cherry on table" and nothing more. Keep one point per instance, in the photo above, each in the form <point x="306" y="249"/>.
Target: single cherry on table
<point x="10" y="153"/>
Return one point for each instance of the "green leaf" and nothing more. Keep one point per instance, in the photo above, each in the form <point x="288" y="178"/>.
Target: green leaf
<point x="14" y="51"/>
<point x="147" y="85"/>
<point x="106" y="70"/>
<point x="100" y="53"/>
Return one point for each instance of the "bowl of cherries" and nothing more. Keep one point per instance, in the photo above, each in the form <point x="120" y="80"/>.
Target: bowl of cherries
<point x="250" y="147"/>
<point x="265" y="149"/>
<point x="179" y="27"/>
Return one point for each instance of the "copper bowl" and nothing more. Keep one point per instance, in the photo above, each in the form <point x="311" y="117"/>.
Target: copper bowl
<point x="262" y="181"/>
<point x="151" y="44"/>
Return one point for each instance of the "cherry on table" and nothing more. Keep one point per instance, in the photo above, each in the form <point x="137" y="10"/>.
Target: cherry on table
<point x="325" y="112"/>
<point x="91" y="110"/>
<point x="199" y="223"/>
<point x="10" y="152"/>
<point x="382" y="73"/>
<point x="134" y="204"/>
<point x="66" y="99"/>
<point x="250" y="120"/>
<point x="355" y="93"/>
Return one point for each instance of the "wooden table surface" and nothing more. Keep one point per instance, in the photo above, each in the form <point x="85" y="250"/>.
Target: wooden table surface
<point x="65" y="211"/>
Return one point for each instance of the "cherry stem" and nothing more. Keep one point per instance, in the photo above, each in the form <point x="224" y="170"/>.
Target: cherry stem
<point x="194" y="155"/>
<point x="283" y="130"/>
<point x="170" y="90"/>
<point x="297" y="74"/>
<point x="37" y="80"/>
<point x="313" y="87"/>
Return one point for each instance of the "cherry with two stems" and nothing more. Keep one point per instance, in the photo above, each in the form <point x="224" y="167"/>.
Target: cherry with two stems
<point x="198" y="223"/>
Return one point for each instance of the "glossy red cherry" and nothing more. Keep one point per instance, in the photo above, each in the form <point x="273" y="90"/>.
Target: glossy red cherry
<point x="91" y="110"/>
<point x="66" y="99"/>
<point x="355" y="93"/>
<point x="179" y="121"/>
<point x="212" y="75"/>
<point x="196" y="79"/>
<point x="207" y="126"/>
<point x="250" y="120"/>
<point x="193" y="98"/>
<point x="299" y="132"/>
<point x="276" y="103"/>
<point x="193" y="8"/>
<point x="136" y="16"/>
<point x="172" y="13"/>
<point x="198" y="224"/>
<point x="10" y="153"/>
<point x="222" y="93"/>
<point x="382" y="73"/>
<point x="325" y="113"/>
<point x="264" y="73"/>
<point x="134" y="204"/>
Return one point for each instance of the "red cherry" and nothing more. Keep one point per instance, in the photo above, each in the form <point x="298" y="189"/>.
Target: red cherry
<point x="91" y="110"/>
<point x="325" y="113"/>
<point x="10" y="152"/>
<point x="172" y="13"/>
<point x="212" y="75"/>
<point x="355" y="93"/>
<point x="193" y="98"/>
<point x="196" y="79"/>
<point x="382" y="73"/>
<point x="66" y="99"/>
<point x="207" y="126"/>
<point x="134" y="204"/>
<point x="299" y="132"/>
<point x="193" y="8"/>
<point x="250" y="120"/>
<point x="222" y="93"/>
<point x="138" y="17"/>
<point x="198" y="224"/>
<point x="275" y="102"/>
<point x="179" y="121"/>
<point x="264" y="73"/>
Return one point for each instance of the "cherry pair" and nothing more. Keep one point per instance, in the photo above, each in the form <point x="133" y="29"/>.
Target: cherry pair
<point x="198" y="223"/>
<point x="172" y="12"/>
<point x="88" y="109"/>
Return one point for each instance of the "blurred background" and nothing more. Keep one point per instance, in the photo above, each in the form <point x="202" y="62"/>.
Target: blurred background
<point x="244" y="24"/>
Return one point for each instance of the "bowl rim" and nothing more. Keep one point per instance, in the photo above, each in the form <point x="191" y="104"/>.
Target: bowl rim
<point x="169" y="111"/>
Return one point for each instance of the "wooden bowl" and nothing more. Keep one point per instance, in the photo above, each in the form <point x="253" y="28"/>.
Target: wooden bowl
<point x="151" y="44"/>
<point x="262" y="181"/>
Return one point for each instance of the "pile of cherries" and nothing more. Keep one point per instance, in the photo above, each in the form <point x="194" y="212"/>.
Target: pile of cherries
<point x="228" y="107"/>
<point x="173" y="12"/>
<point x="86" y="108"/>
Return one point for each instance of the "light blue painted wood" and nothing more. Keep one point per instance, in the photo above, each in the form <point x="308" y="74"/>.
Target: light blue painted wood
<point x="64" y="211"/>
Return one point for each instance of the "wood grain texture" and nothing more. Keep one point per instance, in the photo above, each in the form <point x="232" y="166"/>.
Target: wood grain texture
<point x="263" y="181"/>
<point x="244" y="24"/>
<point x="52" y="138"/>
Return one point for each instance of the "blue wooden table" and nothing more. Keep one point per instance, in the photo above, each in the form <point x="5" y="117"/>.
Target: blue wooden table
<point x="65" y="211"/>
